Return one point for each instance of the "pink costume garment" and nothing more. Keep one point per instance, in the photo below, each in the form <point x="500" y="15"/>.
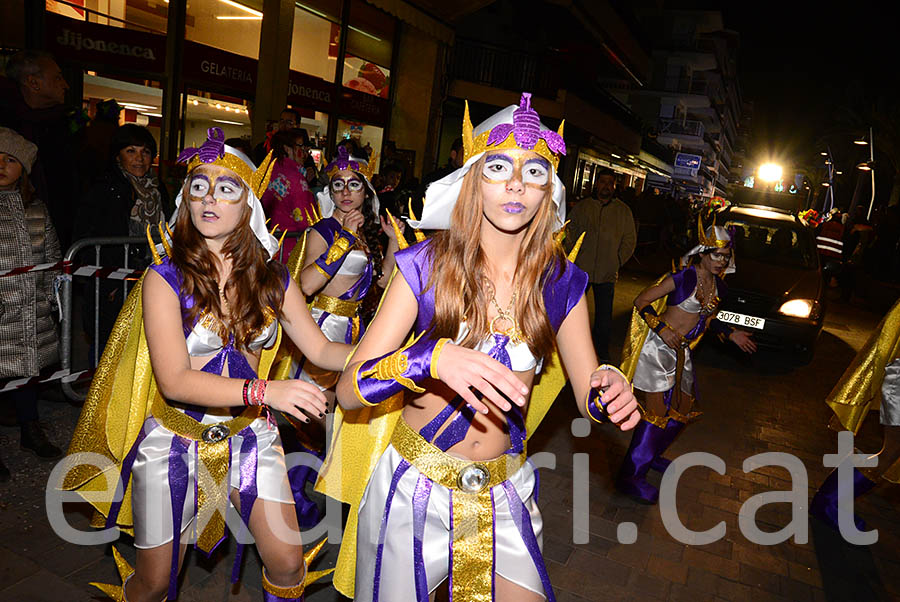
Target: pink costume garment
<point x="288" y="200"/>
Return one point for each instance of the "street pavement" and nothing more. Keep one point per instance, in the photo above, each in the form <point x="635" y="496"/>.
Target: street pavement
<point x="750" y="405"/>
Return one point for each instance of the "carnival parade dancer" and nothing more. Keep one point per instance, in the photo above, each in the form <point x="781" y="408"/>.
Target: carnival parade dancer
<point x="438" y="481"/>
<point x="668" y="321"/>
<point x="336" y="264"/>
<point x="343" y="257"/>
<point x="179" y="405"/>
<point x="874" y="370"/>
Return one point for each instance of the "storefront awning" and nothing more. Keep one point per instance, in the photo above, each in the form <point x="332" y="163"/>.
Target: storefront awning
<point x="415" y="17"/>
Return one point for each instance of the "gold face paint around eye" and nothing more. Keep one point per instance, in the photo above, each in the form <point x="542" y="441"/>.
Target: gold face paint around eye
<point x="528" y="168"/>
<point x="219" y="182"/>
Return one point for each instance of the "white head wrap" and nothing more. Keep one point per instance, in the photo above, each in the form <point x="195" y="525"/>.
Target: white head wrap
<point x="345" y="161"/>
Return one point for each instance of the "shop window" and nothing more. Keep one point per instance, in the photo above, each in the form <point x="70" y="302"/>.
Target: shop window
<point x="144" y="15"/>
<point x="205" y="111"/>
<point x="229" y="25"/>
<point x="368" y="137"/>
<point x="141" y="101"/>
<point x="369" y="47"/>
<point x="316" y="39"/>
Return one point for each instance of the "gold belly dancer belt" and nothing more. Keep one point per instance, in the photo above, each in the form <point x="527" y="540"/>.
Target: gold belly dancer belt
<point x="339" y="307"/>
<point x="473" y="512"/>
<point x="214" y="454"/>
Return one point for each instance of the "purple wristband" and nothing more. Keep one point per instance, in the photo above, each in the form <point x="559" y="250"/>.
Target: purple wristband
<point x="383" y="377"/>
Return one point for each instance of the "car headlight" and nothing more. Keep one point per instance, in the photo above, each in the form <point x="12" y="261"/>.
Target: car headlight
<point x="799" y="308"/>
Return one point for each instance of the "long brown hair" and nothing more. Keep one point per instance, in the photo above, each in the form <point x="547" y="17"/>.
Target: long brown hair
<point x="463" y="292"/>
<point x="255" y="287"/>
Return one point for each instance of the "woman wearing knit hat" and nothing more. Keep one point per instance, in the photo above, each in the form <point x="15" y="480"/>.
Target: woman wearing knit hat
<point x="28" y="340"/>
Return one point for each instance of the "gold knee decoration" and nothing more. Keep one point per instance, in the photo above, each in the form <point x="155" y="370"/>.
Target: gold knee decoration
<point x="117" y="592"/>
<point x="309" y="577"/>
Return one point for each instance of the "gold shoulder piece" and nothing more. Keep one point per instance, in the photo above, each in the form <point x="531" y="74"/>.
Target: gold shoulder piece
<point x="281" y="240"/>
<point x="156" y="258"/>
<point x="412" y="214"/>
<point x="401" y="240"/>
<point x="165" y="242"/>
<point x="573" y="254"/>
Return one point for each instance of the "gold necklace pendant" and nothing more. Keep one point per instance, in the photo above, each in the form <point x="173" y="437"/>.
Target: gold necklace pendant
<point x="513" y="330"/>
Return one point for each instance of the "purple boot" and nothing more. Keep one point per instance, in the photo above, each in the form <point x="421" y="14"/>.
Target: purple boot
<point x="646" y="444"/>
<point x="824" y="505"/>
<point x="673" y="428"/>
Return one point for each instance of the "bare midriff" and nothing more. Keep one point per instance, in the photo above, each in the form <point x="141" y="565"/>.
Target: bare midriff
<point x="679" y="320"/>
<point x="487" y="438"/>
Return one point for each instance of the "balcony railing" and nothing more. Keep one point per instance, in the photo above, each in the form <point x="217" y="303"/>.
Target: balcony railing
<point x="685" y="85"/>
<point x="501" y="68"/>
<point x="680" y="127"/>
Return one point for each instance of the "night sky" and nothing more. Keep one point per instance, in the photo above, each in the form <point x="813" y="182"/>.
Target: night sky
<point x="800" y="61"/>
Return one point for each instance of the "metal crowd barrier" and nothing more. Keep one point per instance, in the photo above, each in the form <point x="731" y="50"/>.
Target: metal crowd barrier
<point x="65" y="296"/>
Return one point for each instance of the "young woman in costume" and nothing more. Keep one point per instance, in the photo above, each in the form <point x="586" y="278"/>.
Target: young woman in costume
<point x="212" y="313"/>
<point x="876" y="369"/>
<point x="438" y="482"/>
<point x="669" y="319"/>
<point x="343" y="258"/>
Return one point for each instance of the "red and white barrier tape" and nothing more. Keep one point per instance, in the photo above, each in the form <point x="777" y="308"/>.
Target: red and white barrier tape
<point x="41" y="267"/>
<point x="67" y="267"/>
<point x="65" y="376"/>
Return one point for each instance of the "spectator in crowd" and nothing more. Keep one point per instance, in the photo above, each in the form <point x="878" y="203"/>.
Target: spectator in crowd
<point x="288" y="200"/>
<point x="287" y="120"/>
<point x="858" y="237"/>
<point x="123" y="201"/>
<point x="454" y="162"/>
<point x="609" y="242"/>
<point x="38" y="114"/>
<point x="242" y="144"/>
<point x="98" y="135"/>
<point x="28" y="341"/>
<point x="391" y="177"/>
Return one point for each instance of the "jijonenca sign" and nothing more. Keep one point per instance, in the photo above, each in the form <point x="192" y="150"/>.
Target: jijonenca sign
<point x="78" y="41"/>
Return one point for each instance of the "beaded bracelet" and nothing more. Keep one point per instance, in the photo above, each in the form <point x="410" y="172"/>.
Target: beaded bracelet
<point x="244" y="392"/>
<point x="257" y="391"/>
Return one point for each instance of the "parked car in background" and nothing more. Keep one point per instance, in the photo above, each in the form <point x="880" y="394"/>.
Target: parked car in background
<point x="777" y="293"/>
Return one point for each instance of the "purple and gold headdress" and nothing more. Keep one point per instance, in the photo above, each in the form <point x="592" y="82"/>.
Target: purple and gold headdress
<point x="345" y="161"/>
<point x="214" y="151"/>
<point x="525" y="132"/>
<point x="515" y="127"/>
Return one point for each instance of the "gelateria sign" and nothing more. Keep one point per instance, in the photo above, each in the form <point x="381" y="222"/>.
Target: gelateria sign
<point x="211" y="68"/>
<point x="94" y="44"/>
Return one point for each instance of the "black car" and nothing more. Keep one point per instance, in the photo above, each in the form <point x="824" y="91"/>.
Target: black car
<point x="777" y="293"/>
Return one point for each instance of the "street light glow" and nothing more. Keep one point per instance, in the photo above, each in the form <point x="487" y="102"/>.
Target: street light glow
<point x="860" y="141"/>
<point x="770" y="172"/>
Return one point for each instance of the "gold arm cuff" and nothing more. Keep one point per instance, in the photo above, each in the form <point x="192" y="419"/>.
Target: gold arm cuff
<point x="338" y="249"/>
<point x="657" y="421"/>
<point x="359" y="395"/>
<point x="321" y="271"/>
<point x="434" y="356"/>
<point x="339" y="307"/>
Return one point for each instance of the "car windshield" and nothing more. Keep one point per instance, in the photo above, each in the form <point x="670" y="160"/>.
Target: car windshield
<point x="773" y="242"/>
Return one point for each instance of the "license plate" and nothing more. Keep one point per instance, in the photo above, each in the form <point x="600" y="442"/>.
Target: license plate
<point x="741" y="320"/>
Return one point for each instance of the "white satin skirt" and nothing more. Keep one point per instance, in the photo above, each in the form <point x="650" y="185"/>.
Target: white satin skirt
<point x="335" y="330"/>
<point x="655" y="370"/>
<point x="151" y="494"/>
<point x="512" y="560"/>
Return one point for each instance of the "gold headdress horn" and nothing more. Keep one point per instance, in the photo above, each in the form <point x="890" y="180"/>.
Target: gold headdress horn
<point x="468" y="135"/>
<point x="709" y="241"/>
<point x="401" y="240"/>
<point x="573" y="254"/>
